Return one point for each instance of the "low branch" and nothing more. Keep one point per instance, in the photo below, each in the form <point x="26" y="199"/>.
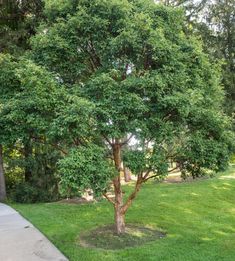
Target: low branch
<point x="109" y="142"/>
<point x="133" y="194"/>
<point x="169" y="171"/>
<point x="146" y="178"/>
<point x="153" y="176"/>
<point x="108" y="198"/>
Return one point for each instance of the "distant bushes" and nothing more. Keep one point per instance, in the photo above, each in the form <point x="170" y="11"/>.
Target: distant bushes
<point x="27" y="193"/>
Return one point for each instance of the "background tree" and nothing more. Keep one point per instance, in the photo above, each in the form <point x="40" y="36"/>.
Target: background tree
<point x="2" y="178"/>
<point x="28" y="97"/>
<point x="18" y="22"/>
<point x="214" y="22"/>
<point x="218" y="33"/>
<point x="26" y="160"/>
<point x="36" y="105"/>
<point x="149" y="85"/>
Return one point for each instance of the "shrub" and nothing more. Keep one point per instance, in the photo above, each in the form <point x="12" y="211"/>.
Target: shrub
<point x="27" y="193"/>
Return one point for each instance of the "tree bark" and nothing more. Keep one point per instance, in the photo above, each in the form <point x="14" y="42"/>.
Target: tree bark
<point x="2" y="178"/>
<point x="118" y="202"/>
<point x="120" y="208"/>
<point x="119" y="220"/>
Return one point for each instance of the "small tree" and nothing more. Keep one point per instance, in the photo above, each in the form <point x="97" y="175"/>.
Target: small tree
<point x="150" y="87"/>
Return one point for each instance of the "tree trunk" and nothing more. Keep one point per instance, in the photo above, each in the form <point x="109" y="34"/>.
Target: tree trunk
<point x="118" y="204"/>
<point x="121" y="208"/>
<point x="2" y="178"/>
<point x="119" y="220"/>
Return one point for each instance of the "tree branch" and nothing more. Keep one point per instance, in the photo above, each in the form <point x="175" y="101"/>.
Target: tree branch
<point x="127" y="140"/>
<point x="173" y="169"/>
<point x="109" y="199"/>
<point x="146" y="174"/>
<point x="146" y="178"/>
<point x="108" y="141"/>
<point x="153" y="176"/>
<point x="132" y="195"/>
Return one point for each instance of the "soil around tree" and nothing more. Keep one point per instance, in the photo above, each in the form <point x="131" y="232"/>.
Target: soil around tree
<point x="106" y="237"/>
<point x="76" y="201"/>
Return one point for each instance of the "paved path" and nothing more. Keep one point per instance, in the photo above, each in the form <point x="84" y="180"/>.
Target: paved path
<point x="21" y="241"/>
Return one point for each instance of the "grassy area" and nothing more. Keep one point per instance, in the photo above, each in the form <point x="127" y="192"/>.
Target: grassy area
<point x="198" y="217"/>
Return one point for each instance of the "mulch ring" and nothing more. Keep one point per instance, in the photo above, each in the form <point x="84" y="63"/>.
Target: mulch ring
<point x="106" y="237"/>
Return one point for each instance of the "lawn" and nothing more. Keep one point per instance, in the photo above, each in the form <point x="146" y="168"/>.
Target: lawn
<point x="198" y="217"/>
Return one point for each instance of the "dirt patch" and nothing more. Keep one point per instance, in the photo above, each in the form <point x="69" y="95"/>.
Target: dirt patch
<point x="176" y="178"/>
<point x="106" y="238"/>
<point x="76" y="201"/>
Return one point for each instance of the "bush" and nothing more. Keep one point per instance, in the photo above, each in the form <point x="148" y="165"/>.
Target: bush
<point x="27" y="193"/>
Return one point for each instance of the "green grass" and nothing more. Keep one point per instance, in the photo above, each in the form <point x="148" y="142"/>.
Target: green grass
<point x="198" y="217"/>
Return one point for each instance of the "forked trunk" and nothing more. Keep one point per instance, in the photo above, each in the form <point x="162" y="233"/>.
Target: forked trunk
<point x="2" y="178"/>
<point x="120" y="208"/>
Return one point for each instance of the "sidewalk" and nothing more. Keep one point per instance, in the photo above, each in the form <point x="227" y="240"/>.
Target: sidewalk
<point x="21" y="241"/>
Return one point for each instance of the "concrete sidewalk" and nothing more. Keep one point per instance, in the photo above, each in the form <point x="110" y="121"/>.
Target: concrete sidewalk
<point x="21" y="241"/>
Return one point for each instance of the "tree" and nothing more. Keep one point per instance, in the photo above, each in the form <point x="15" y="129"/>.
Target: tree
<point x="4" y="81"/>
<point x="18" y="21"/>
<point x="214" y="22"/>
<point x="218" y="34"/>
<point x="2" y="178"/>
<point x="148" y="84"/>
<point x="28" y="97"/>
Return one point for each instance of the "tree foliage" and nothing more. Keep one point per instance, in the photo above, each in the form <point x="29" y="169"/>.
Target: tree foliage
<point x="18" y="21"/>
<point x="214" y="22"/>
<point x="28" y="97"/>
